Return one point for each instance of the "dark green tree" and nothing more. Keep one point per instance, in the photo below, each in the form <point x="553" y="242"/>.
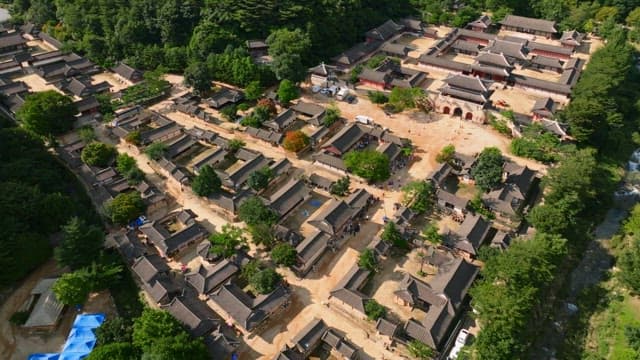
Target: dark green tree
<point x="197" y="76"/>
<point x="47" y="113"/>
<point x="155" y="151"/>
<point x="393" y="236"/>
<point x="265" y="281"/>
<point x="253" y="211"/>
<point x="289" y="49"/>
<point x="488" y="170"/>
<point x="72" y="288"/>
<point x="259" y="180"/>
<point x="284" y="254"/>
<point x="80" y="245"/>
<point x="341" y="186"/>
<point x="447" y="154"/>
<point x="629" y="263"/>
<point x="253" y="91"/>
<point x="206" y="182"/>
<point x="114" y="351"/>
<point x="125" y="207"/>
<point x="368" y="164"/>
<point x="374" y="310"/>
<point x="419" y="350"/>
<point x="114" y="330"/>
<point x="418" y="196"/>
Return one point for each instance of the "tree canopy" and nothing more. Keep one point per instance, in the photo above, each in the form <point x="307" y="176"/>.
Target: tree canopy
<point x="125" y="207"/>
<point x="488" y="170"/>
<point x="98" y="154"/>
<point x="289" y="50"/>
<point x="155" y="151"/>
<point x="80" y="244"/>
<point x="418" y="196"/>
<point x="206" y="182"/>
<point x="392" y="235"/>
<point x="253" y="212"/>
<point x="287" y="91"/>
<point x="259" y="180"/>
<point x="374" y="310"/>
<point x="284" y="254"/>
<point x="367" y="260"/>
<point x="295" y="141"/>
<point x="47" y="113"/>
<point x="226" y="242"/>
<point x="368" y="164"/>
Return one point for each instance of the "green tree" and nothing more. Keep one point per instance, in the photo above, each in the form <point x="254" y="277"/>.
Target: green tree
<point x="295" y="141"/>
<point x="72" y="288"/>
<point x="197" y="76"/>
<point x="341" y="186"/>
<point x="265" y="281"/>
<point x="287" y="91"/>
<point x="284" y="254"/>
<point x="374" y="310"/>
<point x="47" y="113"/>
<point x="418" y="196"/>
<point x="431" y="234"/>
<point x="629" y="263"/>
<point x="633" y="19"/>
<point x="259" y="180"/>
<point x="391" y="235"/>
<point x="114" y="351"/>
<point x="114" y="330"/>
<point x="446" y="155"/>
<point x="124" y="163"/>
<point x="235" y="145"/>
<point x="332" y="114"/>
<point x="253" y="91"/>
<point x="134" y="137"/>
<point x="87" y="134"/>
<point x="368" y="164"/>
<point x="488" y="170"/>
<point x="125" y="207"/>
<point x="206" y="182"/>
<point x="80" y="244"/>
<point x="98" y="154"/>
<point x="367" y="260"/>
<point x="155" y="151"/>
<point x="377" y="97"/>
<point x="253" y="211"/>
<point x="404" y="98"/>
<point x="262" y="234"/>
<point x="289" y="49"/>
<point x="226" y="242"/>
<point x="419" y="350"/>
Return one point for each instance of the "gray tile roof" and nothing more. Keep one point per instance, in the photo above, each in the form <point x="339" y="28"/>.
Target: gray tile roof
<point x="311" y="249"/>
<point x="507" y="48"/>
<point x="572" y="37"/>
<point x="223" y="97"/>
<point x="385" y="31"/>
<point x="346" y="138"/>
<point x="348" y="289"/>
<point x="282" y="120"/>
<point x="207" y="278"/>
<point x="149" y="266"/>
<point x="489" y="58"/>
<point x="483" y="21"/>
<point x="333" y="217"/>
<point x="534" y="46"/>
<point x="472" y="233"/>
<point x="289" y="196"/>
<point x="529" y="23"/>
<point x="127" y="72"/>
<point x="197" y="317"/>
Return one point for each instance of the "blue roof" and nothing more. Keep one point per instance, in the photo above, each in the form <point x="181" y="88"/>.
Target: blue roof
<point x="43" y="357"/>
<point x="89" y="320"/>
<point x="78" y="346"/>
<point x="81" y="333"/>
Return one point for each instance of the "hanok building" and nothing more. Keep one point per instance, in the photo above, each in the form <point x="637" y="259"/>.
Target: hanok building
<point x="127" y="73"/>
<point x="492" y="66"/>
<point x="246" y="311"/>
<point x="390" y="74"/>
<point x="465" y="47"/>
<point x="316" y="335"/>
<point x="62" y="66"/>
<point x="571" y="39"/>
<point x="310" y="251"/>
<point x="558" y="52"/>
<point x="12" y="42"/>
<point x="82" y="87"/>
<point x="282" y="121"/>
<point x="528" y="25"/>
<point x="473" y="232"/>
<point x="481" y="24"/>
<point x="395" y="50"/>
<point x="45" y="309"/>
<point x="156" y="281"/>
<point x="168" y="244"/>
<point x="224" y="97"/>
<point x="384" y="32"/>
<point x="515" y="52"/>
<point x="334" y="217"/>
<point x="207" y="278"/>
<point x="311" y="113"/>
<point x="508" y="201"/>
<point x="348" y="292"/>
<point x="257" y="48"/>
<point x="322" y="74"/>
<point x="464" y="96"/>
<point x="541" y="62"/>
<point x="441" y="301"/>
<point x="288" y="197"/>
<point x="351" y="56"/>
<point x="451" y="204"/>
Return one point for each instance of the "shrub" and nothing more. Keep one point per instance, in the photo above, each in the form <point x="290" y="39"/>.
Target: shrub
<point x="98" y="154"/>
<point x="295" y="141"/>
<point x="374" y="310"/>
<point x="378" y="97"/>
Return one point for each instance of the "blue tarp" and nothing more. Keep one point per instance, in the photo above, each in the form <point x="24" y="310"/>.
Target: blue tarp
<point x="89" y="320"/>
<point x="43" y="357"/>
<point x="81" y="339"/>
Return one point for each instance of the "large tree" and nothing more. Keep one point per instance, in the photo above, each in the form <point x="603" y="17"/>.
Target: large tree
<point x="72" y="288"/>
<point x="206" y="182"/>
<point x="253" y="211"/>
<point x="226" y="242"/>
<point x="287" y="91"/>
<point x="98" y="154"/>
<point x="125" y="207"/>
<point x="295" y="141"/>
<point x="367" y="260"/>
<point x="368" y="164"/>
<point x="197" y="76"/>
<point x="418" y="196"/>
<point x="488" y="170"/>
<point x="265" y="281"/>
<point x="47" y="113"/>
<point x="289" y="50"/>
<point x="80" y="245"/>
<point x="259" y="180"/>
<point x="284" y="254"/>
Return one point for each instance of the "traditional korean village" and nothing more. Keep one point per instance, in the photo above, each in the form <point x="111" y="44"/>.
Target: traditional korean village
<point x="286" y="180"/>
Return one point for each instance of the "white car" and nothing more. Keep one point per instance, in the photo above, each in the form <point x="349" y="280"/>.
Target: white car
<point x="315" y="89"/>
<point x="461" y="341"/>
<point x="363" y="119"/>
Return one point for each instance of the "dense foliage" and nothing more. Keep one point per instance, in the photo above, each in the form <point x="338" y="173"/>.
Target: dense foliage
<point x="392" y="235"/>
<point x="47" y="113"/>
<point x="253" y="211"/>
<point x="287" y="91"/>
<point x="206" y="182"/>
<point x="341" y="186"/>
<point x="37" y="196"/>
<point x="538" y="144"/>
<point x="80" y="244"/>
<point x="98" y="154"/>
<point x="260" y="179"/>
<point x="447" y="154"/>
<point x="125" y="207"/>
<point x="284" y="254"/>
<point x="488" y="170"/>
<point x="226" y="242"/>
<point x="368" y="164"/>
<point x="374" y="310"/>
<point x="418" y="196"/>
<point x="367" y="260"/>
<point x="295" y="141"/>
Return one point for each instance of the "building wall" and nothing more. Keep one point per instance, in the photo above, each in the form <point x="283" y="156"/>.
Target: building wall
<point x="373" y="84"/>
<point x="551" y="54"/>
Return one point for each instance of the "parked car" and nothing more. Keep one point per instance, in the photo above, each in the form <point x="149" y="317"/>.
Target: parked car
<point x="363" y="119"/>
<point x="342" y="94"/>
<point x="461" y="341"/>
<point x="315" y="89"/>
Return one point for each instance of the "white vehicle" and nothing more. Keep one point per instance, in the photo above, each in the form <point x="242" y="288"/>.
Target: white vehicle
<point x="461" y="341"/>
<point x="363" y="119"/>
<point x="315" y="89"/>
<point x="342" y="94"/>
<point x="333" y="90"/>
